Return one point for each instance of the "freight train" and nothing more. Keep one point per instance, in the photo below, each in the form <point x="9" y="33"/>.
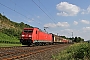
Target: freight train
<point x="36" y="36"/>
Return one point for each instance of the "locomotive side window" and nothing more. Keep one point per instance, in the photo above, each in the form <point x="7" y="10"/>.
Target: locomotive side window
<point x="36" y="32"/>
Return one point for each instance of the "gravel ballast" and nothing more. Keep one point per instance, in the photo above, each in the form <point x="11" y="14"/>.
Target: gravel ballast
<point x="46" y="55"/>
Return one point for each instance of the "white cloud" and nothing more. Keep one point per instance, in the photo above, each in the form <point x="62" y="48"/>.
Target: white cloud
<point x="63" y="24"/>
<point x="85" y="21"/>
<point x="75" y="23"/>
<point x="62" y="14"/>
<point x="66" y="32"/>
<point x="59" y="24"/>
<point x="67" y="9"/>
<point x="87" y="11"/>
<point x="31" y="20"/>
<point x="50" y="25"/>
<point x="86" y="28"/>
<point x="38" y="16"/>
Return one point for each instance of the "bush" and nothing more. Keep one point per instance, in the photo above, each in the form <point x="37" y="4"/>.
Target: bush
<point x="78" y="51"/>
<point x="5" y="37"/>
<point x="12" y="32"/>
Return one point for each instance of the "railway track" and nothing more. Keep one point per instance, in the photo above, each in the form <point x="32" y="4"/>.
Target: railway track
<point x="12" y="53"/>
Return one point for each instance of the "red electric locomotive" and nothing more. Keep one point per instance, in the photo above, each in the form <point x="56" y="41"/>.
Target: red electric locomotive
<point x="31" y="36"/>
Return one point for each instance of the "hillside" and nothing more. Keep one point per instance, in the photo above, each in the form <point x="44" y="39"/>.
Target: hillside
<point x="7" y="23"/>
<point x="10" y="28"/>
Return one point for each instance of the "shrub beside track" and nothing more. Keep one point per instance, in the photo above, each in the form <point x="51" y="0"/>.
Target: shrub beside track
<point x="75" y="52"/>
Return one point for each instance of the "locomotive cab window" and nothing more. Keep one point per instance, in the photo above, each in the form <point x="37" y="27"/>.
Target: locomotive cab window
<point x="28" y="31"/>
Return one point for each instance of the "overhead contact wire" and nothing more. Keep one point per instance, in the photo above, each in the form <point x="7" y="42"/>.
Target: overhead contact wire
<point x="42" y="10"/>
<point x="16" y="12"/>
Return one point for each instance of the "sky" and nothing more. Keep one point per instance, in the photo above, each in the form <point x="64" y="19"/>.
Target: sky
<point x="62" y="17"/>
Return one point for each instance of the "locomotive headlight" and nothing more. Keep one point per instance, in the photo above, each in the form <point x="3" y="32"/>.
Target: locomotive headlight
<point x="30" y="36"/>
<point x="23" y="35"/>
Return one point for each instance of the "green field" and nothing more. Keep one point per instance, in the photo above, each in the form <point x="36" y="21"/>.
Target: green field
<point x="77" y="51"/>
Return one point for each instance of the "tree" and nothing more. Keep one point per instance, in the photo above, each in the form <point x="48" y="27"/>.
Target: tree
<point x="78" y="39"/>
<point x="75" y="40"/>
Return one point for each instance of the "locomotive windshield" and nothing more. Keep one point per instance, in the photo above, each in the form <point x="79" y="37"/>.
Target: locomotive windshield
<point x="28" y="31"/>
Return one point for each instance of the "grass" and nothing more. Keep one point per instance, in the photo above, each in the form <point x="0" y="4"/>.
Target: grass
<point x="9" y="45"/>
